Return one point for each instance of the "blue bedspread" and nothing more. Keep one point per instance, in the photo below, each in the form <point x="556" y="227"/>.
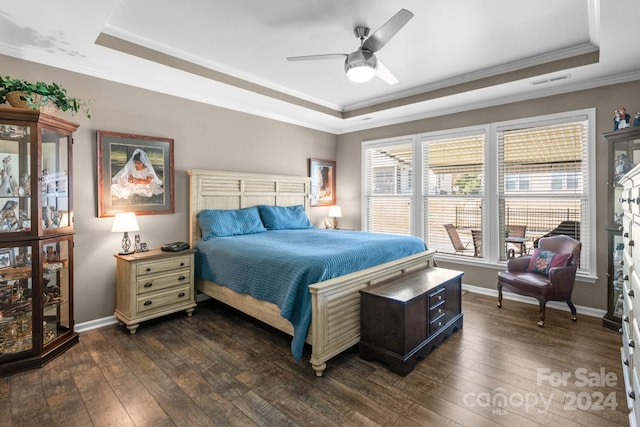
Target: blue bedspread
<point x="279" y="265"/>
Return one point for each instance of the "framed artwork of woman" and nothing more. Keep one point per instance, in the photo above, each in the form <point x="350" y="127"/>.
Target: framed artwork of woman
<point x="135" y="174"/>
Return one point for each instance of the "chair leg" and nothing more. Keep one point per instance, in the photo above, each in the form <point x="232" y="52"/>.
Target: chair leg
<point x="573" y="310"/>
<point x="499" y="296"/>
<point x="542" y="306"/>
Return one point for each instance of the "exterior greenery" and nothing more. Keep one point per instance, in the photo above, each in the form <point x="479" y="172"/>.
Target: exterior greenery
<point x="50" y="92"/>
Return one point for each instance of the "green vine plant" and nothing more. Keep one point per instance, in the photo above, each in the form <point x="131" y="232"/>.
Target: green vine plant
<point x="49" y="92"/>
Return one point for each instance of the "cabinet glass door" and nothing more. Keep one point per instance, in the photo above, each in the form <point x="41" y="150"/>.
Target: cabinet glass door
<point x="16" y="300"/>
<point x="55" y="180"/>
<point x="56" y="296"/>
<point x="617" y="279"/>
<point x="15" y="179"/>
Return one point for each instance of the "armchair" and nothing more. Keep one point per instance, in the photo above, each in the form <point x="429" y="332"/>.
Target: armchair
<point x="546" y="276"/>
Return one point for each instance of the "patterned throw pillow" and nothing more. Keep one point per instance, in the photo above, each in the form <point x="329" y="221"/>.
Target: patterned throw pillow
<point x="542" y="261"/>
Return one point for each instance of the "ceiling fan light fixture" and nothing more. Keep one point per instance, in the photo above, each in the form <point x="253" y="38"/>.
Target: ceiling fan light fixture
<point x="360" y="67"/>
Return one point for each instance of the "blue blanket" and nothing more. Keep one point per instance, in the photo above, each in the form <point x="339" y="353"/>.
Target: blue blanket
<point x="279" y="265"/>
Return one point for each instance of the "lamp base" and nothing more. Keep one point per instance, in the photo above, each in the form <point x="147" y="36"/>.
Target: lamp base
<point x="126" y="253"/>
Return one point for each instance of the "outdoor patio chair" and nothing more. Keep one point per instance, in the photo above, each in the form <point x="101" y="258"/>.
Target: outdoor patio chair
<point x="459" y="247"/>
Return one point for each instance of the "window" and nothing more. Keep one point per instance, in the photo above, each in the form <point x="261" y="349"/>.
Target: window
<point x="551" y="157"/>
<point x="453" y="189"/>
<point x="388" y="191"/>
<point x="490" y="182"/>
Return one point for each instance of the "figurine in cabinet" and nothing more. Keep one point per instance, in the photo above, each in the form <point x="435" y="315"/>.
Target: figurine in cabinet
<point x="623" y="165"/>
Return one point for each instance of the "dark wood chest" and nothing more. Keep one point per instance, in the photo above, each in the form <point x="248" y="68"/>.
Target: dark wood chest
<point x="404" y="318"/>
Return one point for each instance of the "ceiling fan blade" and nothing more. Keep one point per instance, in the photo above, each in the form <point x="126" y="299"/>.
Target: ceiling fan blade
<point x="384" y="74"/>
<point x="377" y="40"/>
<point x="318" y="57"/>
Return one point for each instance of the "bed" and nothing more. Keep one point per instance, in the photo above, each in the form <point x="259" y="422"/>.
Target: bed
<point x="334" y="303"/>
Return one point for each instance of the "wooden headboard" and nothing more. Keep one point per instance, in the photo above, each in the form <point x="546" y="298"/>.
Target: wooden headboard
<point x="236" y="190"/>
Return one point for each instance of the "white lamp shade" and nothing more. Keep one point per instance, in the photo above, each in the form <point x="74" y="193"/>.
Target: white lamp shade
<point x="335" y="211"/>
<point x="360" y="67"/>
<point x="124" y="222"/>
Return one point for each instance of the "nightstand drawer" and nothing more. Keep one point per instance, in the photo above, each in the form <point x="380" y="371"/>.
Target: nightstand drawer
<point x="166" y="264"/>
<point x="163" y="281"/>
<point x="164" y="299"/>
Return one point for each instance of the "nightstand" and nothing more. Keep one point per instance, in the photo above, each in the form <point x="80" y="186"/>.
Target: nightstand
<point x="152" y="284"/>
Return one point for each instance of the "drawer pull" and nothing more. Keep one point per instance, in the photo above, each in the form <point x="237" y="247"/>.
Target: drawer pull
<point x="626" y="235"/>
<point x="439" y="297"/>
<point x="148" y="303"/>
<point x="181" y="294"/>
<point x="632" y="394"/>
<point x="630" y="293"/>
<point x="148" y="268"/>
<point x="181" y="278"/>
<point x="182" y="264"/>
<point x="626" y="362"/>
<point x="148" y="285"/>
<point x="631" y="343"/>
<point x="626" y="277"/>
<point x="626" y="319"/>
<point x="631" y="243"/>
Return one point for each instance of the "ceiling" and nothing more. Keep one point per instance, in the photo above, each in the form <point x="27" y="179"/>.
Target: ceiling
<point x="450" y="57"/>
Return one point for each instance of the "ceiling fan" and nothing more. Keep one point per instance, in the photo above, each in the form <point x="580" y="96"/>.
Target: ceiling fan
<point x="362" y="65"/>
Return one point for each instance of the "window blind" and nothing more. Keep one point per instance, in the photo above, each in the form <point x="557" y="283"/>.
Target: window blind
<point x="389" y="187"/>
<point x="542" y="171"/>
<point x="453" y="191"/>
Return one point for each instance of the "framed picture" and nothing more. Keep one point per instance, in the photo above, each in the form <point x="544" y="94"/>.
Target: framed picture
<point x="7" y="258"/>
<point x="135" y="174"/>
<point x="323" y="182"/>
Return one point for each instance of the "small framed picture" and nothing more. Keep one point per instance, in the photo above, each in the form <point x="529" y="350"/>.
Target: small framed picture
<point x="323" y="182"/>
<point x="7" y="258"/>
<point x="144" y="247"/>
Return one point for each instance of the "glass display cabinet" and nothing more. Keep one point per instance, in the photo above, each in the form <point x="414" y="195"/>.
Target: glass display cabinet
<point x="36" y="238"/>
<point x="624" y="155"/>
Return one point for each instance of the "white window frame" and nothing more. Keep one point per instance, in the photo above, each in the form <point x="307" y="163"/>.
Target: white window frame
<point x="491" y="242"/>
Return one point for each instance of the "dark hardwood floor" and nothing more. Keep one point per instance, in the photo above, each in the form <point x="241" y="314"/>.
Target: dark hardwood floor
<point x="218" y="368"/>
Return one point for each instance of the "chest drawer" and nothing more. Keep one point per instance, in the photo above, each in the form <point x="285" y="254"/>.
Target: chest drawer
<point x="161" y="265"/>
<point x="437" y="297"/>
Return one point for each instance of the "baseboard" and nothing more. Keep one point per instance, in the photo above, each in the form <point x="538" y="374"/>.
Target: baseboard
<point x="111" y="320"/>
<point x="95" y="324"/>
<point x="586" y="311"/>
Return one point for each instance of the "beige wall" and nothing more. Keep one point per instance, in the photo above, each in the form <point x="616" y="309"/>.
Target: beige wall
<point x="205" y="137"/>
<point x="208" y="137"/>
<point x="605" y="100"/>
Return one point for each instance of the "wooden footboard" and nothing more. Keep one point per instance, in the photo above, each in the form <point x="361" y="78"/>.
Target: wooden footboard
<point x="335" y="306"/>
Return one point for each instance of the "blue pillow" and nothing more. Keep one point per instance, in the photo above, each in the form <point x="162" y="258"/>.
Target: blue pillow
<point x="233" y="222"/>
<point x="284" y="217"/>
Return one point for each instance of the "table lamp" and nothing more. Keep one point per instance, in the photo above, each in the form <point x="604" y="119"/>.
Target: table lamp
<point x="335" y="212"/>
<point x="123" y="223"/>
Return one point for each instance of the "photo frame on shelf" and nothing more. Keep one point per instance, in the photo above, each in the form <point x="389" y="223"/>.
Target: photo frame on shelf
<point x="7" y="258"/>
<point x="135" y="174"/>
<point x="323" y="182"/>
